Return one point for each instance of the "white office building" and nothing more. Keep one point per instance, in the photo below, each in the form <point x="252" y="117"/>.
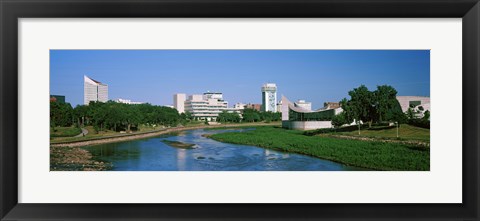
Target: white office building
<point x="203" y="106"/>
<point x="179" y="102"/>
<point x="94" y="91"/>
<point x="269" y="97"/>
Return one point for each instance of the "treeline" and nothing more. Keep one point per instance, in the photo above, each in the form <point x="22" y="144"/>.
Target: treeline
<point x="249" y="115"/>
<point x="112" y="115"/>
<point x="373" y="107"/>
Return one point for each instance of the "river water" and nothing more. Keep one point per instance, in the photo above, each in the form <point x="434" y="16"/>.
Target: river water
<point x="152" y="154"/>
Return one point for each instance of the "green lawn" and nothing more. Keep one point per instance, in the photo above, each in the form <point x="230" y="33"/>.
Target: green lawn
<point x="405" y="132"/>
<point x="65" y="132"/>
<point x="91" y="134"/>
<point x="368" y="154"/>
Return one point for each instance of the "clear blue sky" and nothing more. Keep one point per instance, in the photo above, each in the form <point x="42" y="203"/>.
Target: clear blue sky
<point x="314" y="75"/>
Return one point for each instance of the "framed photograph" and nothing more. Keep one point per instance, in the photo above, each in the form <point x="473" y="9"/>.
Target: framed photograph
<point x="257" y="110"/>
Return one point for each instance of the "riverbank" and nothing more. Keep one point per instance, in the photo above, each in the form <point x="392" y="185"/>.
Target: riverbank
<point x="360" y="153"/>
<point x="69" y="156"/>
<point x="127" y="137"/>
<point x="74" y="159"/>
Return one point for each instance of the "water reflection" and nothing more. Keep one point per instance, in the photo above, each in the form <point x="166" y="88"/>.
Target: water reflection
<point x="208" y="155"/>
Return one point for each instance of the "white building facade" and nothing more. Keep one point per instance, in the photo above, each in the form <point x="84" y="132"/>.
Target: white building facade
<point x="239" y="106"/>
<point x="269" y="97"/>
<point x="207" y="106"/>
<point x="418" y="104"/>
<point x="179" y="102"/>
<point x="94" y="91"/>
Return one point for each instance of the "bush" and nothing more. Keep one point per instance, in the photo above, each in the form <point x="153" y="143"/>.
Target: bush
<point x="330" y="130"/>
<point x="423" y="123"/>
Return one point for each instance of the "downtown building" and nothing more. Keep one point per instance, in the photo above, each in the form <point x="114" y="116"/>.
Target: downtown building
<point x="269" y="97"/>
<point x="206" y="106"/>
<point x="94" y="91"/>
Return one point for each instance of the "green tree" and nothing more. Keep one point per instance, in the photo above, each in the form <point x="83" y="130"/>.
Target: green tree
<point x="385" y="103"/>
<point x="410" y="114"/>
<point x="339" y="120"/>
<point x="81" y="114"/>
<point x="426" y="115"/>
<point x="61" y="114"/>
<point x="360" y="107"/>
<point x="250" y="115"/>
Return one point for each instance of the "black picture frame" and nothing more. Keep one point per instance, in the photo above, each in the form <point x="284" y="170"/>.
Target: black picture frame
<point x="11" y="11"/>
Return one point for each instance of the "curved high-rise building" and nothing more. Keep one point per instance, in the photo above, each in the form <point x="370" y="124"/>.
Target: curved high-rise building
<point x="94" y="90"/>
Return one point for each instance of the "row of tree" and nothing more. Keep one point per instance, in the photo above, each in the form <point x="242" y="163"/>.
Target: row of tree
<point x="125" y="117"/>
<point x="112" y="115"/>
<point x="370" y="107"/>
<point x="249" y="115"/>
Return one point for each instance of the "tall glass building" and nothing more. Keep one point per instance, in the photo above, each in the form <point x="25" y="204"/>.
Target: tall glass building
<point x="269" y="97"/>
<point x="94" y="90"/>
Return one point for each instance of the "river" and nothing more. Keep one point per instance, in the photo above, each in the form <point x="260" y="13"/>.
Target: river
<point x="151" y="154"/>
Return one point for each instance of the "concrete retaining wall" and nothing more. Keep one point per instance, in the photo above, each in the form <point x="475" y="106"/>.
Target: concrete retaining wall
<point x="306" y="125"/>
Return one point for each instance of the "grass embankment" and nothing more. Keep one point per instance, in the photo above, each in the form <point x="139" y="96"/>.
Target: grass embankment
<point x="368" y="154"/>
<point x="65" y="131"/>
<point x="92" y="134"/>
<point x="405" y="132"/>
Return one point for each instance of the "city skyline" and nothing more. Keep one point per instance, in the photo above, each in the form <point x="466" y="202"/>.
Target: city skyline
<point x="316" y="76"/>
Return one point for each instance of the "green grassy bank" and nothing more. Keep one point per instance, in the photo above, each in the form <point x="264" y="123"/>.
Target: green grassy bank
<point x="405" y="132"/>
<point x="65" y="131"/>
<point x="368" y="154"/>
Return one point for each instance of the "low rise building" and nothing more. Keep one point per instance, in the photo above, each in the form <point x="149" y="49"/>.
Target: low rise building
<point x="331" y="105"/>
<point x="126" y="101"/>
<point x="57" y="98"/>
<point x="301" y="117"/>
<point x="418" y="104"/>
<point x="239" y="106"/>
<point x="254" y="106"/>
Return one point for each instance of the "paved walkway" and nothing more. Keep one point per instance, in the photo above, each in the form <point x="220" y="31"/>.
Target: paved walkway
<point x="84" y="132"/>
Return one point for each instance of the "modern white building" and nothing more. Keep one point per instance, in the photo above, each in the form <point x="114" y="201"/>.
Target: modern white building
<point x="418" y="104"/>
<point x="269" y="97"/>
<point x="303" y="104"/>
<point x="301" y="117"/>
<point x="207" y="106"/>
<point x="94" y="90"/>
<point x="239" y="106"/>
<point x="179" y="102"/>
<point x="126" y="101"/>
